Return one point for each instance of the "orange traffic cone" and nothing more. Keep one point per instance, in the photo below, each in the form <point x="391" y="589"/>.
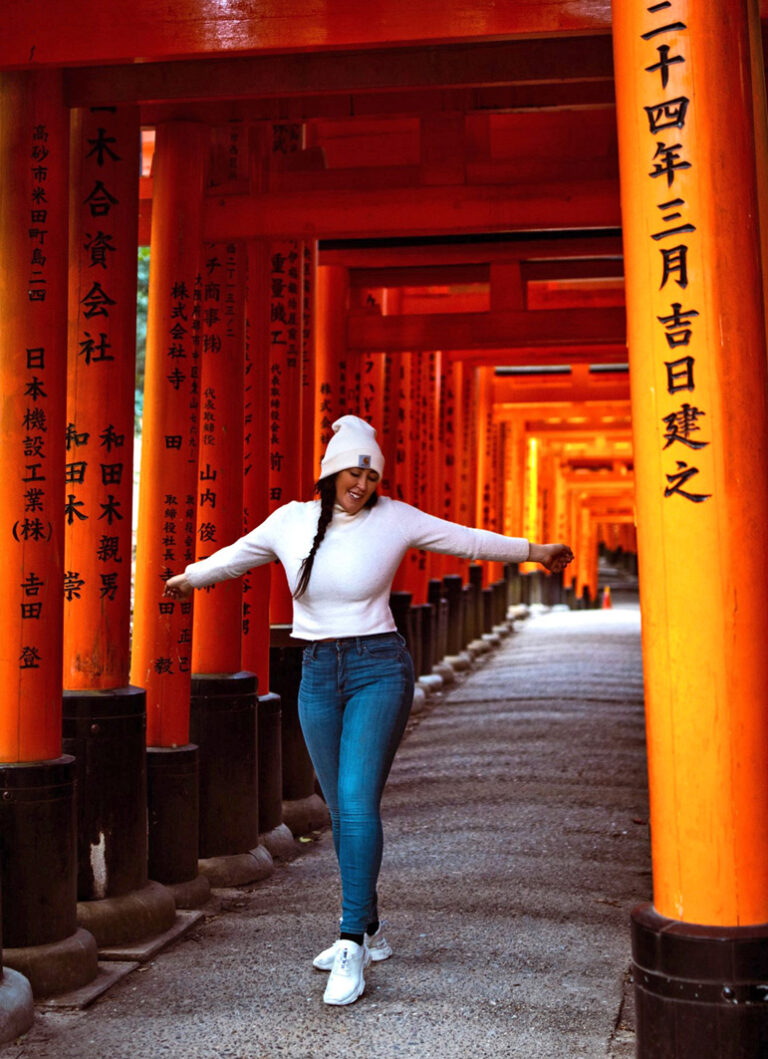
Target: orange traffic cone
<point x="607" y="598"/>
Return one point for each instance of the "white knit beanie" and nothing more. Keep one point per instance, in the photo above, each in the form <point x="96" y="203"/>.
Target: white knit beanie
<point x="353" y="445"/>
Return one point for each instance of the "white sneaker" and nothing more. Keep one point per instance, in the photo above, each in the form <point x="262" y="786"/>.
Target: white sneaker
<point x="377" y="945"/>
<point x="346" y="982"/>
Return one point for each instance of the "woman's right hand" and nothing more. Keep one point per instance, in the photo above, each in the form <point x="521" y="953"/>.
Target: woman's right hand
<point x="178" y="587"/>
<point x="554" y="557"/>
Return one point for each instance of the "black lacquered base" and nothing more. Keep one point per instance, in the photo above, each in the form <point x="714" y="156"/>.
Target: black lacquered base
<point x="39" y="852"/>
<point x="173" y="813"/>
<point x="284" y="678"/>
<point x="105" y="731"/>
<point x="270" y="748"/>
<point x="700" y="991"/>
<point x="223" y="725"/>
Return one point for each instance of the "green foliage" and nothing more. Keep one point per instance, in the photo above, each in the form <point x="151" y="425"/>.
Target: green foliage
<point x="142" y="301"/>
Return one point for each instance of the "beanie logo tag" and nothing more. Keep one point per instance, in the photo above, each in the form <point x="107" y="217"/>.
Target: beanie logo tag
<point x="363" y="461"/>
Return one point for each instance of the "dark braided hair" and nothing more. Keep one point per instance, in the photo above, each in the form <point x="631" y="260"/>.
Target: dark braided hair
<point x="326" y="490"/>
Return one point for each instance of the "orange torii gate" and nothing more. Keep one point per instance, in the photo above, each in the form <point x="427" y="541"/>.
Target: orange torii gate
<point x="683" y="73"/>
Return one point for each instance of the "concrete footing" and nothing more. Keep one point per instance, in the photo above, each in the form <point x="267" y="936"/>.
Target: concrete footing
<point x="237" y="869"/>
<point x="110" y="973"/>
<point x="460" y="662"/>
<point x="306" y="814"/>
<point x="445" y="671"/>
<point x="17" y="1009"/>
<point x="58" y="966"/>
<point x="130" y="917"/>
<point x="143" y="951"/>
<point x="280" y="843"/>
<point x="191" y="894"/>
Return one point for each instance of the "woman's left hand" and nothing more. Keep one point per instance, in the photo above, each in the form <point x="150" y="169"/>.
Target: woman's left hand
<point x="555" y="557"/>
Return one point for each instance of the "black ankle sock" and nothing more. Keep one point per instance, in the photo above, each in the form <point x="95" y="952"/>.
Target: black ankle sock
<point x="371" y="929"/>
<point x="347" y="936"/>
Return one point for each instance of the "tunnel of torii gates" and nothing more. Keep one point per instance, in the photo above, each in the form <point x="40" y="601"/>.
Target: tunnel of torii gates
<point x="453" y="220"/>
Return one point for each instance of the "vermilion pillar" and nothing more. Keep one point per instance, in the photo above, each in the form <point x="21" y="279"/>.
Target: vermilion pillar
<point x="531" y="506"/>
<point x="104" y="718"/>
<point x="39" y="868"/>
<point x="418" y="430"/>
<point x="561" y="520"/>
<point x="100" y="398"/>
<point x="330" y="344"/>
<point x="465" y="511"/>
<point x="486" y="499"/>
<point x="575" y="568"/>
<point x="435" y="465"/>
<point x="168" y="497"/>
<point x="434" y="613"/>
<point x="219" y="495"/>
<point x="447" y="431"/>
<point x="284" y="344"/>
<point x="308" y="474"/>
<point x="224" y="696"/>
<point x="283" y="326"/>
<point x="33" y="364"/>
<point x="388" y="440"/>
<point x="455" y="507"/>
<point x="400" y="476"/>
<point x="514" y="476"/>
<point x="162" y="641"/>
<point x="696" y="329"/>
<point x="407" y="385"/>
<point x="371" y="400"/>
<point x="256" y="583"/>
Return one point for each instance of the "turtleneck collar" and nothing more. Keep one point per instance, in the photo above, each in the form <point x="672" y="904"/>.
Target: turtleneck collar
<point x="339" y="511"/>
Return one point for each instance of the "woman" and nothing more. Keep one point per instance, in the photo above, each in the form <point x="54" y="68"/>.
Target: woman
<point x="340" y="554"/>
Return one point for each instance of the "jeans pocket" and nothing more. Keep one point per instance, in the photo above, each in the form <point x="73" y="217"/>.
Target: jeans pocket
<point x="383" y="650"/>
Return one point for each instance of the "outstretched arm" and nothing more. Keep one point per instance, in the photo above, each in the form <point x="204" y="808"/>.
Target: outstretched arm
<point x="555" y="557"/>
<point x="254" y="549"/>
<point x="420" y="530"/>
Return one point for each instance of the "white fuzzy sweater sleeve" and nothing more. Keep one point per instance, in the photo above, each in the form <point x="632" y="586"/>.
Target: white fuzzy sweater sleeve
<point x="254" y="549"/>
<point x="437" y="535"/>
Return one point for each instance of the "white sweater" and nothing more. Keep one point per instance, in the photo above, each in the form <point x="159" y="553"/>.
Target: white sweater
<point x="348" y="592"/>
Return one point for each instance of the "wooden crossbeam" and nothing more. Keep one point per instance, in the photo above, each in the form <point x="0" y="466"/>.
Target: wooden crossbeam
<point x="412" y="211"/>
<point x="546" y="401"/>
<point x="467" y="331"/>
<point x="523" y="246"/>
<point x="420" y="276"/>
<point x="481" y="64"/>
<point x="414" y="102"/>
<point x="523" y="356"/>
<point x="590" y="268"/>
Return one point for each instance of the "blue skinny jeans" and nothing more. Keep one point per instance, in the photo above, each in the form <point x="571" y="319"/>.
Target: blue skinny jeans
<point x="354" y="701"/>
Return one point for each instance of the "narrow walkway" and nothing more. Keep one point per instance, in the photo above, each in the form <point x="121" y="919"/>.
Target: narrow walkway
<point x="517" y="843"/>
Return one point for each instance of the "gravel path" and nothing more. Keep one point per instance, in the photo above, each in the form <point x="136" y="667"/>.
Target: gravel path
<point x="516" y="845"/>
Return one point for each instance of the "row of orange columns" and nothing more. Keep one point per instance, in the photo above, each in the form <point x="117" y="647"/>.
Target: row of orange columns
<point x="677" y="77"/>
